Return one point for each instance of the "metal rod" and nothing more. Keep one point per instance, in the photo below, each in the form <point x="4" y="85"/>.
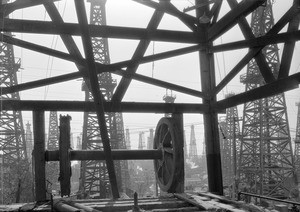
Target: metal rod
<point x="154" y="154"/>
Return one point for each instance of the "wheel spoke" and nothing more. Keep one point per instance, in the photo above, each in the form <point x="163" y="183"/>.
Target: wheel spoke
<point x="169" y="164"/>
<point x="167" y="168"/>
<point x="167" y="139"/>
<point x="166" y="174"/>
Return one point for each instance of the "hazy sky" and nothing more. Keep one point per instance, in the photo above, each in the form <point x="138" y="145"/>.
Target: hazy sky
<point x="183" y="70"/>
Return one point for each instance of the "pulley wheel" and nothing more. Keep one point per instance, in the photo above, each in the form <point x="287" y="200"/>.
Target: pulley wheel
<point x="170" y="167"/>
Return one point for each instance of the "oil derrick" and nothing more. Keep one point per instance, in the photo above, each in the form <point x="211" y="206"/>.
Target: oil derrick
<point x="127" y="139"/>
<point x="185" y="146"/>
<point x="94" y="175"/>
<point x="141" y="141"/>
<point x="193" y="146"/>
<point x="266" y="163"/>
<point x="52" y="167"/>
<point x="150" y="139"/>
<point x="29" y="141"/>
<point x="230" y="133"/>
<point x="16" y="176"/>
<point x="297" y="144"/>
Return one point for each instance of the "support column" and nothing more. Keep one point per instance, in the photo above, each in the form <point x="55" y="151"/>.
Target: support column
<point x="210" y="119"/>
<point x="180" y="176"/>
<point x="39" y="155"/>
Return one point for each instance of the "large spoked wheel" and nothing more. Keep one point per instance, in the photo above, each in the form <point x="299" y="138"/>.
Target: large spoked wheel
<point x="170" y="167"/>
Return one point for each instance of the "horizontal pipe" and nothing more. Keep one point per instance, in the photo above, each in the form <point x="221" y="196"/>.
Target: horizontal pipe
<point x="80" y="155"/>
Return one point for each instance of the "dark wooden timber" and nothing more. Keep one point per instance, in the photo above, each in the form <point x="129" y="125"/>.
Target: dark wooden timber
<point x="139" y="52"/>
<point x="64" y="156"/>
<point x="79" y="155"/>
<point x="97" y="95"/>
<point x="260" y="59"/>
<point x="126" y="107"/>
<point x="289" y="15"/>
<point x="207" y="73"/>
<point x="274" y="88"/>
<point x="179" y="176"/>
<point x="231" y="18"/>
<point x="189" y="20"/>
<point x="289" y="46"/>
<point x="8" y="8"/>
<point x="39" y="155"/>
<point x="46" y="27"/>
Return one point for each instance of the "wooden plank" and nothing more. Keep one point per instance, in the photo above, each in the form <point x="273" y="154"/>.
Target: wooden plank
<point x="241" y="205"/>
<point x="218" y="205"/>
<point x="166" y="203"/>
<point x="119" y="206"/>
<point x="198" y="203"/>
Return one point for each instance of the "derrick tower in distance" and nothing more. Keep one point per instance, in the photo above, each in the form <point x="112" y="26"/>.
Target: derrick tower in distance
<point x="193" y="154"/>
<point x="230" y="144"/>
<point x="94" y="176"/>
<point x="12" y="135"/>
<point x="52" y="167"/>
<point x="266" y="163"/>
<point x="297" y="144"/>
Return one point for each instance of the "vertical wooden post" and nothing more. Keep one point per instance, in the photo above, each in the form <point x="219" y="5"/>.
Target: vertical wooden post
<point x="39" y="155"/>
<point x="178" y="117"/>
<point x="210" y="119"/>
<point x="64" y="155"/>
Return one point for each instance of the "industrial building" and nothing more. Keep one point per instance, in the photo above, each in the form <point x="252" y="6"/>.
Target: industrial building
<point x="149" y="105"/>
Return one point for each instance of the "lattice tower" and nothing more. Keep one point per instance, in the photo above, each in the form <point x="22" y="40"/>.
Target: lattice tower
<point x="230" y="144"/>
<point x="94" y="176"/>
<point x="193" y="146"/>
<point x="127" y="139"/>
<point x="53" y="133"/>
<point x="297" y="144"/>
<point x="12" y="135"/>
<point x="52" y="167"/>
<point x="150" y="139"/>
<point x="141" y="141"/>
<point x="266" y="163"/>
<point x="185" y="146"/>
<point x="29" y="141"/>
